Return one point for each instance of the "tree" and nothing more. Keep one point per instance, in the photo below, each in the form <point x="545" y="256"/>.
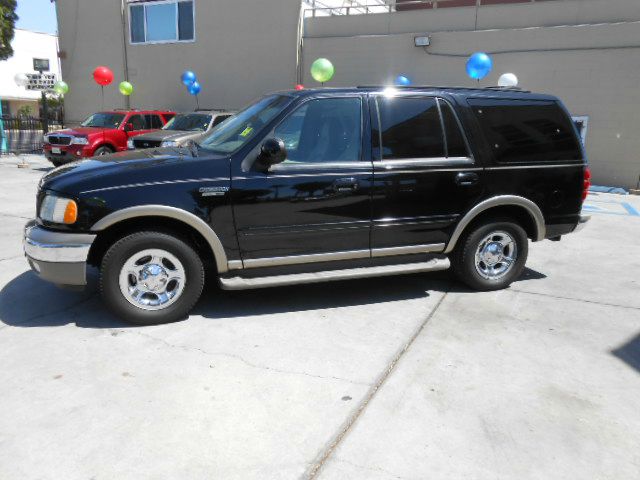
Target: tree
<point x="8" y="19"/>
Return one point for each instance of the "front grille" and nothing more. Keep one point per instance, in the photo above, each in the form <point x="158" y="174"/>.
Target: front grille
<point x="146" y="143"/>
<point x="59" y="140"/>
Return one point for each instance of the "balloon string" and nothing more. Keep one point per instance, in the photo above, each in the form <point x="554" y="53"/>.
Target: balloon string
<point x="102" y="95"/>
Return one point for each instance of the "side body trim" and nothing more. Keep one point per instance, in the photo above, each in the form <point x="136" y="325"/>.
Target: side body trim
<point x="336" y="256"/>
<point x="302" y="259"/>
<point x="171" y="212"/>
<point x="502" y="200"/>
<point x="412" y="249"/>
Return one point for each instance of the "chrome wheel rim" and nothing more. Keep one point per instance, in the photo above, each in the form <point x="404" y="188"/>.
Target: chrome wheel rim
<point x="496" y="255"/>
<point x="152" y="279"/>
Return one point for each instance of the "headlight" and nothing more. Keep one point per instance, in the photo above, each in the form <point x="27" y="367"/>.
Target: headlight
<point x="46" y="139"/>
<point x="58" y="210"/>
<point x="80" y="141"/>
<point x="169" y="143"/>
<point x="130" y="145"/>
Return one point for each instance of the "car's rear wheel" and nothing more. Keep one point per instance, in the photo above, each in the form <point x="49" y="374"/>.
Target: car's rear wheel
<point x="151" y="277"/>
<point x="104" y="150"/>
<point x="491" y="255"/>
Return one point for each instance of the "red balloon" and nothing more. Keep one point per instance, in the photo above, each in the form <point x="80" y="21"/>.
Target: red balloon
<point x="103" y="76"/>
<point x="299" y="87"/>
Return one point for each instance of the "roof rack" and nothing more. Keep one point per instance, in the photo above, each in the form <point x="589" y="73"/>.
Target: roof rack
<point x="444" y="87"/>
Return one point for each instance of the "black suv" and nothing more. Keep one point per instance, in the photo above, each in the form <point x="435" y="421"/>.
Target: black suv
<point x="318" y="185"/>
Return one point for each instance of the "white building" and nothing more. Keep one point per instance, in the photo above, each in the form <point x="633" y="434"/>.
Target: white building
<point x="26" y="46"/>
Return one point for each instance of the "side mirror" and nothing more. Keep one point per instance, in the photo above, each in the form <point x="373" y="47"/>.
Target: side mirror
<point x="128" y="127"/>
<point x="273" y="151"/>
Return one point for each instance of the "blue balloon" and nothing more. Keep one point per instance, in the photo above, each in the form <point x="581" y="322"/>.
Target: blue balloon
<point x="194" y="88"/>
<point x="188" y="78"/>
<point x="479" y="65"/>
<point x="403" y="81"/>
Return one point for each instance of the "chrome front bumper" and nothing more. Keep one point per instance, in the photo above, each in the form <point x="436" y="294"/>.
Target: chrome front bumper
<point x="584" y="219"/>
<point x="60" y="258"/>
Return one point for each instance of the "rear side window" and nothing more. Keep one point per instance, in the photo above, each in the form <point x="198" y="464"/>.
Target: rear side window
<point x="410" y="128"/>
<point x="526" y="130"/>
<point x="153" y="121"/>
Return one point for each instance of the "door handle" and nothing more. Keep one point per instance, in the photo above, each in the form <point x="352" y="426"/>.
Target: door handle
<point x="467" y="179"/>
<point x="346" y="185"/>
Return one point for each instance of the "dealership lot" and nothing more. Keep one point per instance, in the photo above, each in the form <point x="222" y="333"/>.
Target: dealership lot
<point x="409" y="377"/>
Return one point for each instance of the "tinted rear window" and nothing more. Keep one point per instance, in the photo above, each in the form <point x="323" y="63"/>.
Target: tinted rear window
<point x="526" y="130"/>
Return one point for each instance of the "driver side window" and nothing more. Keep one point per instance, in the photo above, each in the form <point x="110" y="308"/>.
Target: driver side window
<point x="137" y="121"/>
<point x="323" y="130"/>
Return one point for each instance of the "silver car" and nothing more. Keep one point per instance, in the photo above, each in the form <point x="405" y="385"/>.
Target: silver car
<point x="180" y="129"/>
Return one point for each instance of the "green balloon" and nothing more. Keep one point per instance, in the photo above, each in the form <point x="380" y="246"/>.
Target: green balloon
<point x="125" y="88"/>
<point x="322" y="70"/>
<point x="61" y="87"/>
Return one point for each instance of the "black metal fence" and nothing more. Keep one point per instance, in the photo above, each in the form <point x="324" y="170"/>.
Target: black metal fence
<point x="22" y="134"/>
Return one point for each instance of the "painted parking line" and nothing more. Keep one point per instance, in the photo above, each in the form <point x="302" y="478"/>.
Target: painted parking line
<point x="610" y="207"/>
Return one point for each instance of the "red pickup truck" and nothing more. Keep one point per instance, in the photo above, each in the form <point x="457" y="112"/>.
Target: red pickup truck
<point x="101" y="134"/>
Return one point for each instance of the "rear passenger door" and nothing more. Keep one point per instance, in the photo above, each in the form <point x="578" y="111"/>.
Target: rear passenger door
<point x="425" y="176"/>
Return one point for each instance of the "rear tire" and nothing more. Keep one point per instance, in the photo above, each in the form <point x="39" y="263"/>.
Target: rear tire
<point x="148" y="278"/>
<point x="491" y="255"/>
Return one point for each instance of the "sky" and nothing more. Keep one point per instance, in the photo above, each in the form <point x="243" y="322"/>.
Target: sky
<point x="37" y="15"/>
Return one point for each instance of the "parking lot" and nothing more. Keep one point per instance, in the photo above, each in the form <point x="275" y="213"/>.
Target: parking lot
<point x="396" y="378"/>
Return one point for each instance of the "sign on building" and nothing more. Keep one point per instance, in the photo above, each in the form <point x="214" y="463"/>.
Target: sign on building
<point x="40" y="81"/>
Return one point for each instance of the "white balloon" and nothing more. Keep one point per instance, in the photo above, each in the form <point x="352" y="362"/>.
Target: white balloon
<point x="508" y="80"/>
<point x="21" y="79"/>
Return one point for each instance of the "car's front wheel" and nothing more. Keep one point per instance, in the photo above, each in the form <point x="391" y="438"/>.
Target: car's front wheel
<point x="491" y="255"/>
<point x="151" y="277"/>
<point x="101" y="151"/>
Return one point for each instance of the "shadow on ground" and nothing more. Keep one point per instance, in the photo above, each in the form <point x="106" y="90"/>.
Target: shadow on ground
<point x="630" y="352"/>
<point x="26" y="301"/>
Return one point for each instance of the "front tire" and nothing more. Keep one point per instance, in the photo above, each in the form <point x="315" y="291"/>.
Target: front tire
<point x="491" y="255"/>
<point x="151" y="277"/>
<point x="101" y="151"/>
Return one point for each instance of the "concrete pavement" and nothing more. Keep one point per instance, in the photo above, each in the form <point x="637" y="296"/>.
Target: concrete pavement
<point x="410" y="377"/>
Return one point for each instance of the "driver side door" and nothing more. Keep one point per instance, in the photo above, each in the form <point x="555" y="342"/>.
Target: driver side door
<point x="315" y="206"/>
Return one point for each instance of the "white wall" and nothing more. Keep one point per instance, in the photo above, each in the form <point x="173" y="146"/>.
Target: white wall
<point x="26" y="46"/>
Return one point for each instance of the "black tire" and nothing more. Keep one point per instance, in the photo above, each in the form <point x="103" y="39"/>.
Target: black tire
<point x="125" y="249"/>
<point x="103" y="150"/>
<point x="464" y="256"/>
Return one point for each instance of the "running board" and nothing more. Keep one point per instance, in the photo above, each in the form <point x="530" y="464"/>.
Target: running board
<point x="240" y="283"/>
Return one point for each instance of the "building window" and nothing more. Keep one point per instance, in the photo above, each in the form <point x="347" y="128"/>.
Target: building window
<point x="163" y="21"/>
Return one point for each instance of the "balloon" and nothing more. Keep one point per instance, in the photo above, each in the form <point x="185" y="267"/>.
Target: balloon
<point x="61" y="87"/>
<point x="188" y="78"/>
<point x="125" y="88"/>
<point x="299" y="87"/>
<point x="508" y="80"/>
<point x="21" y="79"/>
<point x="194" y="88"/>
<point x="322" y="70"/>
<point x="403" y="81"/>
<point x="103" y="76"/>
<point x="479" y="65"/>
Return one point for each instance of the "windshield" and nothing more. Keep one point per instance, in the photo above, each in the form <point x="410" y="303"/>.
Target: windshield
<point x="106" y="120"/>
<point x="235" y="132"/>
<point x="192" y="122"/>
